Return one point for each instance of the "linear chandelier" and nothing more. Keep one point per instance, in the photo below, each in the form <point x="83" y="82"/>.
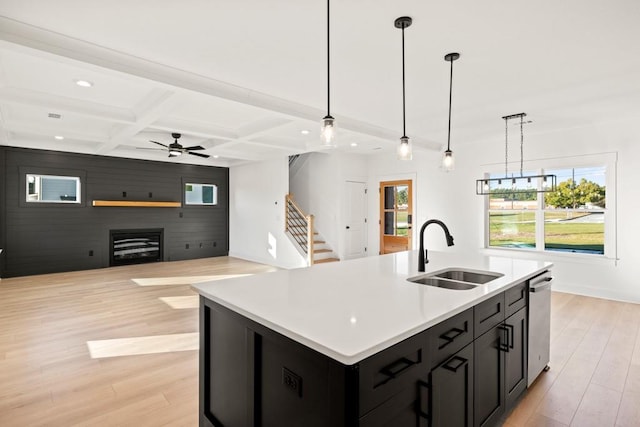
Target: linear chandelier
<point x="515" y="184"/>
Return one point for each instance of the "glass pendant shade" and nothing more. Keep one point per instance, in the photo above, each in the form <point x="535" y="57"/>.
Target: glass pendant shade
<point x="404" y="149"/>
<point x="448" y="162"/>
<point x="328" y="131"/>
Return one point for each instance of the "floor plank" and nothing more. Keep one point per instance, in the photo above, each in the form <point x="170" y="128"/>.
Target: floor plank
<point x="48" y="377"/>
<point x="47" y="374"/>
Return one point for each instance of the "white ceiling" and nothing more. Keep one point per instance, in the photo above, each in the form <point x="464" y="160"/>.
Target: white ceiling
<point x="244" y="78"/>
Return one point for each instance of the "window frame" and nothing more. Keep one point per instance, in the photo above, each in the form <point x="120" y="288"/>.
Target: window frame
<point x="606" y="160"/>
<point x="196" y="181"/>
<point x="81" y="190"/>
<point x="39" y="177"/>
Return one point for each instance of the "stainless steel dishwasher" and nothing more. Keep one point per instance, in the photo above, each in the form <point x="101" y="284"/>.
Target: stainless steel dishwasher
<point x="539" y="324"/>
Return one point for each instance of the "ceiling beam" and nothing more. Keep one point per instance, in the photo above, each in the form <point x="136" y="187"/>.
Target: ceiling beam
<point x="61" y="104"/>
<point x="37" y="38"/>
<point x="189" y="127"/>
<point x="157" y="103"/>
<point x="30" y="128"/>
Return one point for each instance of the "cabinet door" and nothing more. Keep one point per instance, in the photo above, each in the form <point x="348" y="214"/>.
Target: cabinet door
<point x="452" y="391"/>
<point x="405" y="409"/>
<point x="516" y="357"/>
<point x="489" y="399"/>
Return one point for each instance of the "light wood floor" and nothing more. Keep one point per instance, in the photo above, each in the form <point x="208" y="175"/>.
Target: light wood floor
<point x="115" y="347"/>
<point x="47" y="374"/>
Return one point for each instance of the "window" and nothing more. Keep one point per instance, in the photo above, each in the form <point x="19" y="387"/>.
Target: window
<point x="576" y="218"/>
<point x="396" y="210"/>
<point x="200" y="194"/>
<point x="52" y="189"/>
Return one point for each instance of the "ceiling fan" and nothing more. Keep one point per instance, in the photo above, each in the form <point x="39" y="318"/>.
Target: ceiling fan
<point x="176" y="149"/>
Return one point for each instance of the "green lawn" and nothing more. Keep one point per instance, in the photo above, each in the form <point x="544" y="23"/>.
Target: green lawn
<point x="401" y="222"/>
<point x="517" y="229"/>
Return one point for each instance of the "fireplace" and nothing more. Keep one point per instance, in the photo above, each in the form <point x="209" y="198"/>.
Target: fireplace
<point x="135" y="246"/>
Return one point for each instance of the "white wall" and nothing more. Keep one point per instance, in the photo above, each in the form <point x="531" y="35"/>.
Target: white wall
<point x="256" y="214"/>
<point x="451" y="198"/>
<point x="319" y="189"/>
<point x="429" y="195"/>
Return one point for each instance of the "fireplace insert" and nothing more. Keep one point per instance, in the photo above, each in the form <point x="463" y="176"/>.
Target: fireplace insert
<point x="135" y="246"/>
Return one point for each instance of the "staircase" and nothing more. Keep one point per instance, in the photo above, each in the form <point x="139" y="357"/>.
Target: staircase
<point x="299" y="226"/>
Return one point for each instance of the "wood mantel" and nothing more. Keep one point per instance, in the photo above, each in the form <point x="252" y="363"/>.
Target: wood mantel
<point x="136" y="204"/>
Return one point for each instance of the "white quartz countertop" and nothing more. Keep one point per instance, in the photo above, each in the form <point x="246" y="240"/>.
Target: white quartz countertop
<point x="350" y="310"/>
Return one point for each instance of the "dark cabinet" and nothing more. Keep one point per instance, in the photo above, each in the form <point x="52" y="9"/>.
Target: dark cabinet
<point x="408" y="408"/>
<point x="500" y="356"/>
<point x="452" y="391"/>
<point x="516" y="357"/>
<point x="488" y="381"/>
<point x="465" y="371"/>
<point x="393" y="370"/>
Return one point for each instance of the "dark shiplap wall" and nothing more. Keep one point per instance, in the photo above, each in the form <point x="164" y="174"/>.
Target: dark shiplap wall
<point x="45" y="238"/>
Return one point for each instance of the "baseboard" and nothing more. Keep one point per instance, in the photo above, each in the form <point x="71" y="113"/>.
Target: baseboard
<point x="610" y="294"/>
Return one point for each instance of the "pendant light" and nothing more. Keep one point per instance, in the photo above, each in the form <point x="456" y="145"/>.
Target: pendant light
<point x="487" y="186"/>
<point x="448" y="162"/>
<point x="328" y="123"/>
<point x="404" y="149"/>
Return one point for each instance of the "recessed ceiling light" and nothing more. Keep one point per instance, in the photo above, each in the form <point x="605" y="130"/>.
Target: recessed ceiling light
<point x="354" y="144"/>
<point x="59" y="137"/>
<point x="304" y="132"/>
<point x="215" y="156"/>
<point x="83" y="83"/>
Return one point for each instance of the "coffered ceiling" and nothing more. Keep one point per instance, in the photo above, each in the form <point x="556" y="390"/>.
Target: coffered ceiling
<point x="245" y="78"/>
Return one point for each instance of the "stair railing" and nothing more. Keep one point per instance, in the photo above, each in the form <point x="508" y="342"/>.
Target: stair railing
<point x="299" y="226"/>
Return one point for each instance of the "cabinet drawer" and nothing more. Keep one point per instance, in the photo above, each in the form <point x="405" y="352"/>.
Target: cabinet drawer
<point x="488" y="314"/>
<point x="449" y="336"/>
<point x="407" y="408"/>
<point x="515" y="298"/>
<point x="392" y="370"/>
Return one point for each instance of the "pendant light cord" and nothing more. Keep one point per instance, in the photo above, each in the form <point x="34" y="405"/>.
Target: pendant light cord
<point x="506" y="147"/>
<point x="450" y="91"/>
<point x="404" y="131"/>
<point x="521" y="145"/>
<point x="328" y="65"/>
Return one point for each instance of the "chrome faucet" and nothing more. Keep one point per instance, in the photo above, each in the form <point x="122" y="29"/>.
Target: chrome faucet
<point x="422" y="253"/>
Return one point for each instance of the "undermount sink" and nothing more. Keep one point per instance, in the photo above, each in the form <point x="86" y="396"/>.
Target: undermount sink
<point x="456" y="278"/>
<point x="442" y="283"/>
<point x="478" y="277"/>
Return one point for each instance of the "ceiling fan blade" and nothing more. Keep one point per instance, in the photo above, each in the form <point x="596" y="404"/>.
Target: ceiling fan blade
<point x="149" y="148"/>
<point x="206" y="156"/>
<point x="195" y="147"/>
<point x="159" y="143"/>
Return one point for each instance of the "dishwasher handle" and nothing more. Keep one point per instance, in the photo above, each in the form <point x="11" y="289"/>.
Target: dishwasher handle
<point x="540" y="284"/>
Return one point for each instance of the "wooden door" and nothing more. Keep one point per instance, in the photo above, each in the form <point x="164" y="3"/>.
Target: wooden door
<point x="396" y="211"/>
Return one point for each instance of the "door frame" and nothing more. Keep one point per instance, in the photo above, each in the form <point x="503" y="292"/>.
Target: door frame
<point x="412" y="194"/>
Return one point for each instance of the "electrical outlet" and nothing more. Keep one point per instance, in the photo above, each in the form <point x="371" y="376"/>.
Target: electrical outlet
<point x="91" y="252"/>
<point x="292" y="381"/>
<point x="186" y="246"/>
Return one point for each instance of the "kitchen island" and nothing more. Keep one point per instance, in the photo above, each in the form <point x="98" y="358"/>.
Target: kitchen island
<point x="355" y="343"/>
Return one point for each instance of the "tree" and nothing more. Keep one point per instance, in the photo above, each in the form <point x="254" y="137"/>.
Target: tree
<point x="402" y="197"/>
<point x="570" y="195"/>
